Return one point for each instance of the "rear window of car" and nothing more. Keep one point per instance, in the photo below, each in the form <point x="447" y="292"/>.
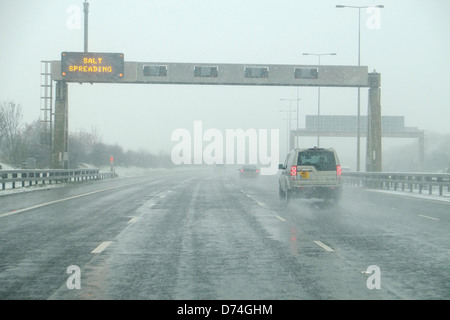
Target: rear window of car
<point x="322" y="160"/>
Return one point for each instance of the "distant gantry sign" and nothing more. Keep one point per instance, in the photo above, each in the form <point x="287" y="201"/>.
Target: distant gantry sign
<point x="306" y="73"/>
<point x="110" y="67"/>
<point x="92" y="66"/>
<point x="256" y="72"/>
<point x="154" y="70"/>
<point x="206" y="71"/>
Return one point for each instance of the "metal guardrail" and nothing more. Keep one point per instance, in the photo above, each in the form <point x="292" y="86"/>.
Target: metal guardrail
<point x="31" y="176"/>
<point x="399" y="181"/>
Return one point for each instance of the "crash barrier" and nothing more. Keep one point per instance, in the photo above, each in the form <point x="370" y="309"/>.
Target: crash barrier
<point x="24" y="177"/>
<point x="403" y="181"/>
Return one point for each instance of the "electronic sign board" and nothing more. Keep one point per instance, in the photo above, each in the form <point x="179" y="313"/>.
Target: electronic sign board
<point x="92" y="66"/>
<point x="206" y="71"/>
<point x="154" y="70"/>
<point x="256" y="72"/>
<point x="306" y="73"/>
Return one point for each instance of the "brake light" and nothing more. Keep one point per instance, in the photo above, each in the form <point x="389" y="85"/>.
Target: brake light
<point x="294" y="171"/>
<point x="257" y="170"/>
<point x="242" y="170"/>
<point x="338" y="170"/>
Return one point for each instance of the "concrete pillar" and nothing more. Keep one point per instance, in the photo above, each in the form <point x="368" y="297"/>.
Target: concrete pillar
<point x="374" y="149"/>
<point x="422" y="151"/>
<point x="291" y="140"/>
<point x="60" y="151"/>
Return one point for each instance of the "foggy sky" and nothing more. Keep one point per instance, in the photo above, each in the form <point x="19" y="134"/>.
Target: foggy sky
<point x="409" y="48"/>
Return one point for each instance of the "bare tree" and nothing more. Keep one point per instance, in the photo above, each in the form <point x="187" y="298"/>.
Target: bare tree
<point x="34" y="144"/>
<point x="10" y="131"/>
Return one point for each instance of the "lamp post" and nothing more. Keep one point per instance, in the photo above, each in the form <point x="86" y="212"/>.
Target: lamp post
<point x="318" y="92"/>
<point x="358" y="133"/>
<point x="287" y="130"/>
<point x="86" y="12"/>
<point x="290" y="100"/>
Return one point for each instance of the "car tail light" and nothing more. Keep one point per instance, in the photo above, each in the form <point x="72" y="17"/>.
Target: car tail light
<point x="338" y="170"/>
<point x="294" y="171"/>
<point x="242" y="170"/>
<point x="257" y="170"/>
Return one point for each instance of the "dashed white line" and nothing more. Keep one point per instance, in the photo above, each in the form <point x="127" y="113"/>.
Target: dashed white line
<point x="51" y="202"/>
<point x="133" y="220"/>
<point x="65" y="199"/>
<point x="101" y="247"/>
<point x="321" y="244"/>
<point x="428" y="217"/>
<point x="280" y="218"/>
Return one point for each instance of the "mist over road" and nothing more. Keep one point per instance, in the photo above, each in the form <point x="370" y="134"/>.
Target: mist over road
<point x="206" y="234"/>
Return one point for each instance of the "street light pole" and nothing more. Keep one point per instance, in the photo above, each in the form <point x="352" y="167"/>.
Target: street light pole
<point x="298" y="115"/>
<point x="290" y="110"/>
<point x="287" y="136"/>
<point x="358" y="126"/>
<point x="288" y="128"/>
<point x="86" y="12"/>
<point x="318" y="93"/>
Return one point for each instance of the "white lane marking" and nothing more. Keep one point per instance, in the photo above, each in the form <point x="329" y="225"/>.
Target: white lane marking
<point x="320" y="243"/>
<point x="102" y="246"/>
<point x="65" y="199"/>
<point x="428" y="217"/>
<point x="257" y="202"/>
<point x="133" y="220"/>
<point x="51" y="202"/>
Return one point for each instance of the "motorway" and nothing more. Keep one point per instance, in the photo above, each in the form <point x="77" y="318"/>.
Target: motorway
<point x="208" y="235"/>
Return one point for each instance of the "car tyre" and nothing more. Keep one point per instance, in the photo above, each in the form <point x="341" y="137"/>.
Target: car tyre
<point x="337" y="197"/>
<point x="280" y="193"/>
<point x="287" y="195"/>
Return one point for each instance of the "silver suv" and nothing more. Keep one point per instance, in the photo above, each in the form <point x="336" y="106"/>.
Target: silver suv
<point x="311" y="173"/>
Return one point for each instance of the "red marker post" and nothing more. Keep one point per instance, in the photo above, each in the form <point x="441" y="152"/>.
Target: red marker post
<point x="111" y="162"/>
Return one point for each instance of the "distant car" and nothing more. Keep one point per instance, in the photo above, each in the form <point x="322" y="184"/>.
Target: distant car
<point x="219" y="167"/>
<point x="311" y="173"/>
<point x="249" y="171"/>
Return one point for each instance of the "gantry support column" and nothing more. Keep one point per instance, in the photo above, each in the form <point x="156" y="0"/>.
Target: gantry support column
<point x="292" y="135"/>
<point x="374" y="150"/>
<point x="60" y="151"/>
<point x="422" y="152"/>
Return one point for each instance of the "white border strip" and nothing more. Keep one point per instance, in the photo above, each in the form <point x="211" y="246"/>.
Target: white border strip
<point x="320" y="243"/>
<point x="65" y="199"/>
<point x="428" y="217"/>
<point x="101" y="247"/>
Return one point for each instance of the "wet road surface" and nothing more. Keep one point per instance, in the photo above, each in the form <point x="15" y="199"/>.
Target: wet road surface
<point x="201" y="234"/>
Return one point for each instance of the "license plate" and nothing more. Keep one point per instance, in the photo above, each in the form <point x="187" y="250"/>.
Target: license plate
<point x="304" y="174"/>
